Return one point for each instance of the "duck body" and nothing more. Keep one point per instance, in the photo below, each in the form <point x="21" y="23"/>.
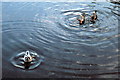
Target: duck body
<point x="94" y="17"/>
<point x="82" y="20"/>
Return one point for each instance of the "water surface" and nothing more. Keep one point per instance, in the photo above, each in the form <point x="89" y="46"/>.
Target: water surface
<point x="69" y="50"/>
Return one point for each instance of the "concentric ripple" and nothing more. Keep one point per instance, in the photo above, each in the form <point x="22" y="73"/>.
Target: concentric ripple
<point x="70" y="50"/>
<point x="18" y="60"/>
<point x="91" y="34"/>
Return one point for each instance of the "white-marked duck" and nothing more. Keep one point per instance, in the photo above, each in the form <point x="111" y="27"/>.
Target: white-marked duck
<point x="94" y="17"/>
<point x="82" y="20"/>
<point x="28" y="57"/>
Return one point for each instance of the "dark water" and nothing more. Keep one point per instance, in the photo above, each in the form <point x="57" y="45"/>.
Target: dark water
<point x="69" y="50"/>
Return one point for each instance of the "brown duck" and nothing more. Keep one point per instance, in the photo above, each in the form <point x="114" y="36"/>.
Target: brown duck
<point x="94" y="17"/>
<point x="82" y="20"/>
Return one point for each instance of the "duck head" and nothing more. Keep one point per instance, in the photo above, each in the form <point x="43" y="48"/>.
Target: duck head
<point x="27" y="57"/>
<point x="94" y="12"/>
<point x="83" y="14"/>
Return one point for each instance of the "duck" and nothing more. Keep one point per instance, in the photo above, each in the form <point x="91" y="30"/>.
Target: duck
<point x="27" y="57"/>
<point x="94" y="17"/>
<point x="82" y="20"/>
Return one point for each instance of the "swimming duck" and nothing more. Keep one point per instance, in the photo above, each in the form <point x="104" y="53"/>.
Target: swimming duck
<point x="28" y="57"/>
<point x="94" y="17"/>
<point x="82" y="20"/>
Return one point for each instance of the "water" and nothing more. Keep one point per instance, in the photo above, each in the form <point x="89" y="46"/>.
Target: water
<point x="69" y="50"/>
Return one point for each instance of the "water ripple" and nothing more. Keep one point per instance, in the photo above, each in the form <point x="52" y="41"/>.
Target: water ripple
<point x="70" y="49"/>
